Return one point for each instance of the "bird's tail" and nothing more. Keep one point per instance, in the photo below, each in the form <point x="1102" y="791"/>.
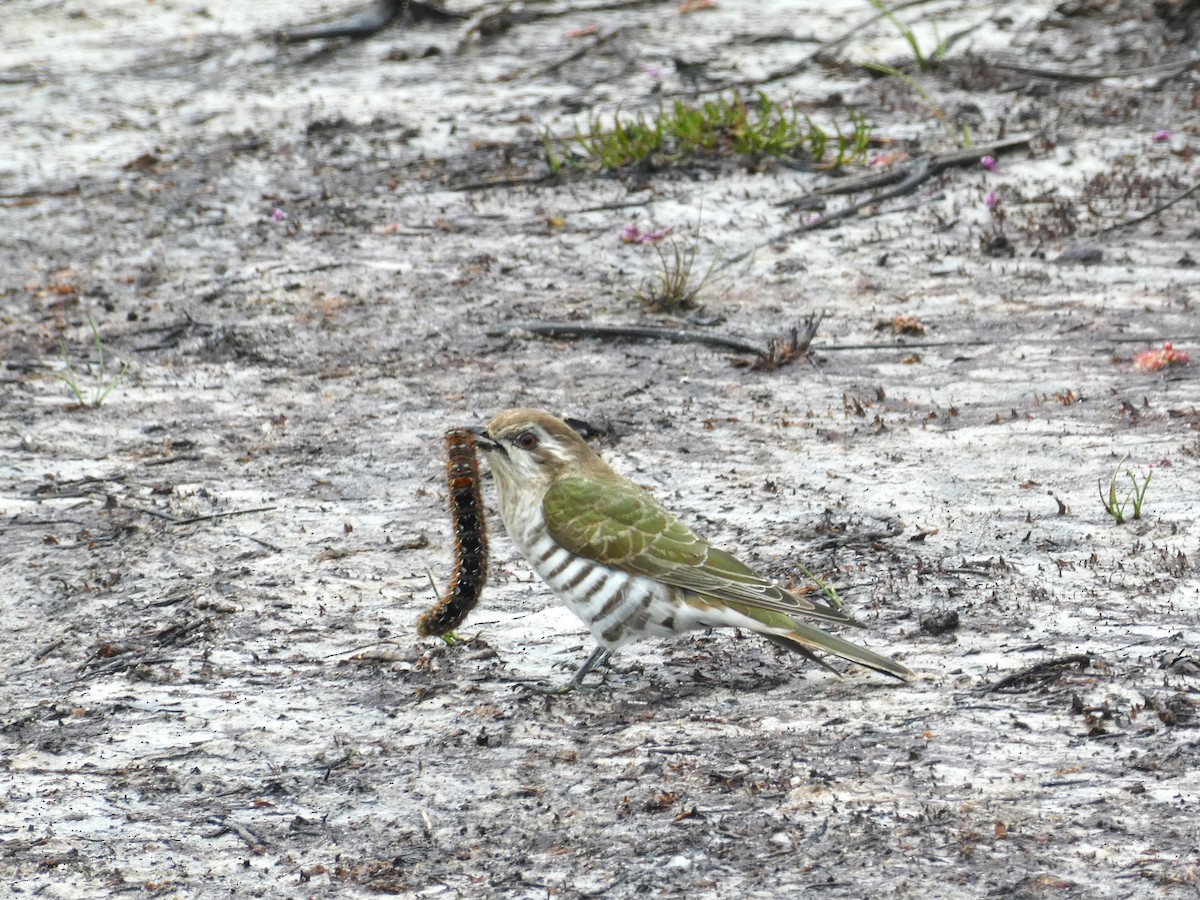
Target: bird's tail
<point x="803" y="639"/>
<point x="788" y="632"/>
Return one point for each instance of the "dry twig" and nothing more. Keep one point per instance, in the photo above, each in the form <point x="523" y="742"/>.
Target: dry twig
<point x="1171" y="68"/>
<point x="1183" y="195"/>
<point x="777" y="352"/>
<point x="912" y="177"/>
<point x="1039" y="673"/>
<point x="825" y="48"/>
<point x="224" y="826"/>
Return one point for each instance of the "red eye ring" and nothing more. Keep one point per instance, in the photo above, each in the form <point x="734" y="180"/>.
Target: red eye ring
<point x="527" y="440"/>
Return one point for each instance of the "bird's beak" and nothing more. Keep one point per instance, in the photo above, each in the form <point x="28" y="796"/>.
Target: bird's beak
<point x="482" y="439"/>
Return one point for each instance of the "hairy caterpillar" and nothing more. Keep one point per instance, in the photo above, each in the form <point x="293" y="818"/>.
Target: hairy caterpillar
<point x="470" y="538"/>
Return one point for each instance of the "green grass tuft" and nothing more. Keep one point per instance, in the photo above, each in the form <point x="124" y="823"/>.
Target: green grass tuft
<point x="726" y="126"/>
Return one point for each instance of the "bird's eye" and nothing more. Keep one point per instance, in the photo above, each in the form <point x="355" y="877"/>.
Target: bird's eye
<point x="527" y="440"/>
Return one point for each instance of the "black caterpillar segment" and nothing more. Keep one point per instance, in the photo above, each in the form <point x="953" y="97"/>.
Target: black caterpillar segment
<point x="470" y="538"/>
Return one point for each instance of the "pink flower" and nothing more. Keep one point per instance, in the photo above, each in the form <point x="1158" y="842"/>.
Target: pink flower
<point x="278" y="216"/>
<point x="631" y="234"/>
<point x="1153" y="360"/>
<point x="814" y="218"/>
<point x="1161" y="136"/>
<point x="988" y="162"/>
<point x="991" y="200"/>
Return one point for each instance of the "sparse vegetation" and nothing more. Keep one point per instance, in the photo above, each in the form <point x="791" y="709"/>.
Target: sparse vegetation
<point x="101" y="385"/>
<point x="828" y="591"/>
<point x="962" y="138"/>
<point x="724" y="126"/>
<point x="924" y="61"/>
<point x="673" y="288"/>
<point x="1115" y="506"/>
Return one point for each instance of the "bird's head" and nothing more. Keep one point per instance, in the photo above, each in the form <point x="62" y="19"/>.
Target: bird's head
<point x="529" y="450"/>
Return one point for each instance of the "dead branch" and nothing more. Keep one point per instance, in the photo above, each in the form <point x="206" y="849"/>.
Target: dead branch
<point x="850" y="185"/>
<point x="683" y="336"/>
<point x="208" y="518"/>
<point x="225" y="515"/>
<point x="1039" y="673"/>
<point x="575" y="55"/>
<point x="522" y="181"/>
<point x="777" y="352"/>
<point x="48" y="649"/>
<point x="784" y="350"/>
<point x="827" y="47"/>
<point x="1171" y="68"/>
<point x="917" y="173"/>
<point x="224" y="826"/>
<point x="175" y="634"/>
<point x="636" y="332"/>
<point x="124" y="663"/>
<point x="1154" y="212"/>
<point x="984" y="342"/>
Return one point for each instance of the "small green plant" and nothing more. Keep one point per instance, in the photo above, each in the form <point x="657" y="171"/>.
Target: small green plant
<point x="1115" y="506"/>
<point x="101" y="388"/>
<point x="553" y="159"/>
<point x="828" y="591"/>
<point x="924" y="63"/>
<point x="852" y="146"/>
<point x="724" y="126"/>
<point x="673" y="289"/>
<point x="627" y="141"/>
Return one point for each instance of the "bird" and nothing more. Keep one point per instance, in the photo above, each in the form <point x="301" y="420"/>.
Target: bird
<point x="627" y="567"/>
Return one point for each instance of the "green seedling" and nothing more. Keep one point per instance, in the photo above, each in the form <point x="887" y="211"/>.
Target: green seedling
<point x="853" y="145"/>
<point x="828" y="591"/>
<point x="101" y="388"/>
<point x="553" y="159"/>
<point x="924" y="63"/>
<point x="1115" y="506"/>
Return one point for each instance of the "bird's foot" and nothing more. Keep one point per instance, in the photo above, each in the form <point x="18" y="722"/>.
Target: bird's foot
<point x="599" y="657"/>
<point x="551" y="690"/>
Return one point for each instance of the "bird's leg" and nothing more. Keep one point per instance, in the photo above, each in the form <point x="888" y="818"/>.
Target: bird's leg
<point x="599" y="656"/>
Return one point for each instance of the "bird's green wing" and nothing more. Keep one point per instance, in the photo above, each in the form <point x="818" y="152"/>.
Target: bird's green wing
<point x="620" y="525"/>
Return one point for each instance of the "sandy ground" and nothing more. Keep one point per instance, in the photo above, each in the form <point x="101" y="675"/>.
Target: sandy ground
<point x="212" y="685"/>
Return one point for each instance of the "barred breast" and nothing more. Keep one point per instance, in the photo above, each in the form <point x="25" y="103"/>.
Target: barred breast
<point x="618" y="607"/>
